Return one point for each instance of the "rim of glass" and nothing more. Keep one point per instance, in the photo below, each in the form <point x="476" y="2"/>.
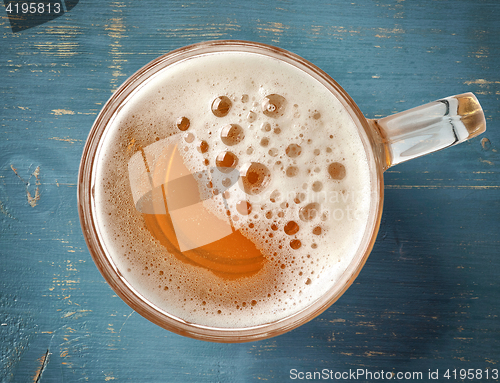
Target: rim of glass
<point x="120" y="285"/>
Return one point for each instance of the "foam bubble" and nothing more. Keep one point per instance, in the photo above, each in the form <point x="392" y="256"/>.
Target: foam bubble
<point x="221" y="106"/>
<point x="273" y="105"/>
<point x="292" y="171"/>
<point x="336" y="170"/>
<point x="266" y="127"/>
<point x="244" y="207"/>
<point x="232" y="134"/>
<point x="254" y="177"/>
<point x="182" y="123"/>
<point x="317" y="186"/>
<point x="226" y="161"/>
<point x="293" y="150"/>
<point x="309" y="212"/>
<point x="291" y="228"/>
<point x="203" y="146"/>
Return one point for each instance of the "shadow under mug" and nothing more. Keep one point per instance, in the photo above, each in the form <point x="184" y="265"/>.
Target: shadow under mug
<point x="387" y="142"/>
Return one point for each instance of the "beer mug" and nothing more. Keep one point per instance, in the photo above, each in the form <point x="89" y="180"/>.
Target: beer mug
<point x="231" y="191"/>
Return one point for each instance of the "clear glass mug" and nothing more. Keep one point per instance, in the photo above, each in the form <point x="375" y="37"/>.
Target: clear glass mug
<point x="387" y="142"/>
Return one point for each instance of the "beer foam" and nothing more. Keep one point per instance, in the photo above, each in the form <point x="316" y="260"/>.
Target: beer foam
<point x="302" y="195"/>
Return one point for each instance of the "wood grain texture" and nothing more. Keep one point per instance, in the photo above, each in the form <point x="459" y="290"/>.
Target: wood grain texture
<point x="428" y="297"/>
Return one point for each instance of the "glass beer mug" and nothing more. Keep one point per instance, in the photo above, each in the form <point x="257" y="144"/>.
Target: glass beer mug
<point x="231" y="191"/>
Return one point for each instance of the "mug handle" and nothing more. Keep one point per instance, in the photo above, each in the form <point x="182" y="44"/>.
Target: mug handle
<point x="428" y="128"/>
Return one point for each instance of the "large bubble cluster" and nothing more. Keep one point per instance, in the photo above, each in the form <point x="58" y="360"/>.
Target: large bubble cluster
<point x="254" y="139"/>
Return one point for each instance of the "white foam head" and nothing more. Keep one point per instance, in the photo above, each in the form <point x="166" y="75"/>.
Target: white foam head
<point x="308" y="217"/>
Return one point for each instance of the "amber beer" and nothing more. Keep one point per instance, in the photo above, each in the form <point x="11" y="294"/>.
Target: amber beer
<point x="232" y="189"/>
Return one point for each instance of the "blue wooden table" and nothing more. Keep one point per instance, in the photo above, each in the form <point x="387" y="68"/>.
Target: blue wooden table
<point x="428" y="298"/>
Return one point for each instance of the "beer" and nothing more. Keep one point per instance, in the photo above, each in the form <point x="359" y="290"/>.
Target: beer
<point x="231" y="189"/>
